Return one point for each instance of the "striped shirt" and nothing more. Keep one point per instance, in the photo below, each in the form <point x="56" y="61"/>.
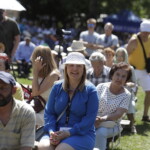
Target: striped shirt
<point x="20" y="129"/>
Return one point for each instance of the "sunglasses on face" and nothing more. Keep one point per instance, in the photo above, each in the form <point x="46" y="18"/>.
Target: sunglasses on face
<point x="91" y="25"/>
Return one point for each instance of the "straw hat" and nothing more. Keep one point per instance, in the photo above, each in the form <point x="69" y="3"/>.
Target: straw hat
<point x="58" y="49"/>
<point x="76" y="46"/>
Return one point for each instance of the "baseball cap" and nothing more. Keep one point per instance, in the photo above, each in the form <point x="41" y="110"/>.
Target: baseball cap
<point x="7" y="78"/>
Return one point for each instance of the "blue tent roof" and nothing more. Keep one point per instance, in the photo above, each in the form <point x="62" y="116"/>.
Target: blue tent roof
<point x="124" y="21"/>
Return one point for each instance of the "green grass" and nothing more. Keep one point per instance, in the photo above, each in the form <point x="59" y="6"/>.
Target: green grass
<point x="140" y="141"/>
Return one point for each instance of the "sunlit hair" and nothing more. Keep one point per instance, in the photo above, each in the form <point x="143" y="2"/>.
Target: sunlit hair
<point x="97" y="56"/>
<point x="125" y="54"/>
<point x="91" y="20"/>
<point x="109" y="25"/>
<point x="121" y="65"/>
<point x="109" y="51"/>
<point x="66" y="79"/>
<point x="45" y="53"/>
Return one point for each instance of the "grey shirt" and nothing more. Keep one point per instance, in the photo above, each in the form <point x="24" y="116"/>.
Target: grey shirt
<point x="90" y="38"/>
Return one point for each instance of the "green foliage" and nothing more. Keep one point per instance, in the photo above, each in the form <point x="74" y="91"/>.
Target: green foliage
<point x="67" y="10"/>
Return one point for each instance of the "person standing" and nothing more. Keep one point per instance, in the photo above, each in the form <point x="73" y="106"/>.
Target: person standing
<point x="9" y="34"/>
<point x="89" y="37"/>
<point x="136" y="59"/>
<point x="17" y="119"/>
<point x="108" y="39"/>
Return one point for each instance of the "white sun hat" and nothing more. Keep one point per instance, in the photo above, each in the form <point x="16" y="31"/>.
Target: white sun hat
<point x="76" y="46"/>
<point x="75" y="58"/>
<point x="145" y="26"/>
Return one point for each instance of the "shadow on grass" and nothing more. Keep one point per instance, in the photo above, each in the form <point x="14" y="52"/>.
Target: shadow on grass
<point x="142" y="129"/>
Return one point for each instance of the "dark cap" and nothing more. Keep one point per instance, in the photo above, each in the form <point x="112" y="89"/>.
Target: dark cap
<point x="7" y="78"/>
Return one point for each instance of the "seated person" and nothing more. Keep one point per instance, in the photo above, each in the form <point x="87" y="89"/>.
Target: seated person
<point x="45" y="73"/>
<point x="99" y="73"/>
<point x="17" y="119"/>
<point x="22" y="56"/>
<point x="113" y="103"/>
<point x="5" y="66"/>
<point x="122" y="56"/>
<point x="71" y="109"/>
<point x="109" y="54"/>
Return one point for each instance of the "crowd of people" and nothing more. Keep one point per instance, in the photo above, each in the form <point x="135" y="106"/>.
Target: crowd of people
<point x="87" y="90"/>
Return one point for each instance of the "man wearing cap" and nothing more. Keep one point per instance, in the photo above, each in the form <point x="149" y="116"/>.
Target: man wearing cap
<point x="17" y="119"/>
<point x="136" y="59"/>
<point x="90" y="37"/>
<point x="9" y="34"/>
<point x="22" y="56"/>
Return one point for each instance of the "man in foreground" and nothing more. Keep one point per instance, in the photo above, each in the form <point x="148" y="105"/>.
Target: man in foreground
<point x="17" y="119"/>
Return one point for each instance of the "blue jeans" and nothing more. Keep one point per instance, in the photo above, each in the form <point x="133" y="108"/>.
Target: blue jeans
<point x="102" y="134"/>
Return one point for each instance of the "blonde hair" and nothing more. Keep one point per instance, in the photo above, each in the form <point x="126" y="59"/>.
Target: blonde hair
<point x="125" y="54"/>
<point x="91" y="20"/>
<point x="66" y="80"/>
<point x="45" y="53"/>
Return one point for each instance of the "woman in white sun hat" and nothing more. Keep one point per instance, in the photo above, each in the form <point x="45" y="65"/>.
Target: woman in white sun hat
<point x="71" y="109"/>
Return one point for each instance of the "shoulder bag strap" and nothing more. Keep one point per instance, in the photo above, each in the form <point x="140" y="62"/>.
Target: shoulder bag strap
<point x="62" y="113"/>
<point x="68" y="105"/>
<point x="42" y="81"/>
<point x="65" y="108"/>
<point x="142" y="48"/>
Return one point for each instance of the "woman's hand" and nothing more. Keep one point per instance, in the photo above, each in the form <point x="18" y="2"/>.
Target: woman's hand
<point x="38" y="64"/>
<point x="99" y="120"/>
<point x="54" y="138"/>
<point x="62" y="134"/>
<point x="130" y="84"/>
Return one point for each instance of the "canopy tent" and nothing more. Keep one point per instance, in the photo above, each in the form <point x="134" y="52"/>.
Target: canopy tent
<point x="11" y="5"/>
<point x="124" y="21"/>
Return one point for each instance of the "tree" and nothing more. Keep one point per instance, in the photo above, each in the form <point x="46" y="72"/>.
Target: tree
<point x="67" y="10"/>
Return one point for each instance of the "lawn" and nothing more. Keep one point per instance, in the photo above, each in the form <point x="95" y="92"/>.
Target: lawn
<point x="140" y="141"/>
